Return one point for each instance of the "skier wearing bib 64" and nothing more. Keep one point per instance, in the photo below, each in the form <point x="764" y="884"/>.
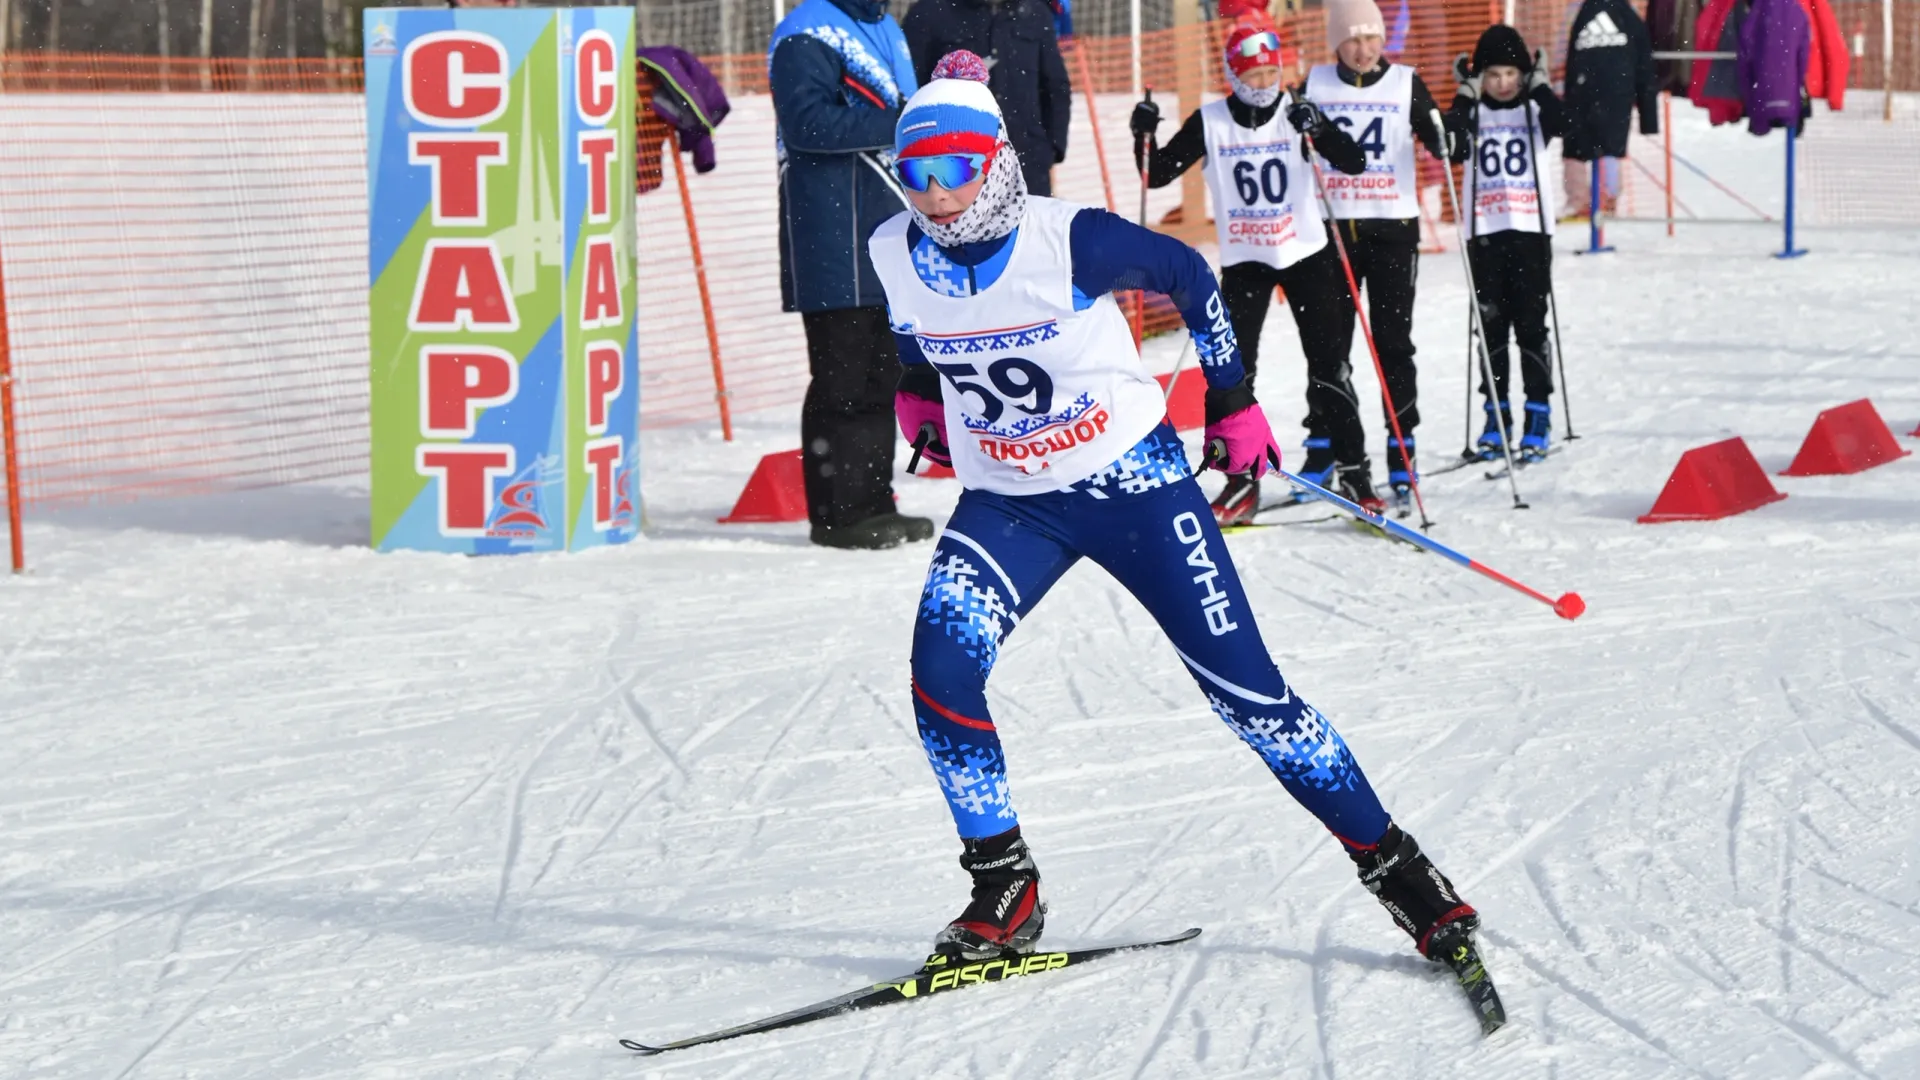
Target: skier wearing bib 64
<point x="1271" y="232"/>
<point x="1506" y="99"/>
<point x="1021" y="373"/>
<point x="1384" y="106"/>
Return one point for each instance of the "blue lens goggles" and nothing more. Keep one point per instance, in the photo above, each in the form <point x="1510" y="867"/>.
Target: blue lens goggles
<point x="951" y="171"/>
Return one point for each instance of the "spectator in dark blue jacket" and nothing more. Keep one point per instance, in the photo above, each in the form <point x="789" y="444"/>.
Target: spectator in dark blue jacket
<point x="840" y="73"/>
<point x="1028" y="76"/>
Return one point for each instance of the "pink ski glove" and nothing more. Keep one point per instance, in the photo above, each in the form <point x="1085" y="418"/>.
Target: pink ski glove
<point x="1241" y="443"/>
<point x="915" y="413"/>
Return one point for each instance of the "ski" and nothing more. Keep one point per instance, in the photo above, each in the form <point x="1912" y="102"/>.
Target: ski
<point x="937" y="975"/>
<point x="1471" y="974"/>
<point x="1248" y="526"/>
<point x="1524" y="463"/>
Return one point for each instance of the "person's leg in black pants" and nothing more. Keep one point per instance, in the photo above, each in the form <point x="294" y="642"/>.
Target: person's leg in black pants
<point x="1316" y="289"/>
<point x="847" y="424"/>
<point x="1386" y="260"/>
<point x="1493" y="286"/>
<point x="1531" y="282"/>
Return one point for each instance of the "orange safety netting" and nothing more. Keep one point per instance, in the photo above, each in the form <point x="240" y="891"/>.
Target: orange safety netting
<point x="183" y="242"/>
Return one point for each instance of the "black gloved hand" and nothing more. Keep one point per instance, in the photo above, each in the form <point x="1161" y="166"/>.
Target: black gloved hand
<point x="1306" y="118"/>
<point x="1146" y="117"/>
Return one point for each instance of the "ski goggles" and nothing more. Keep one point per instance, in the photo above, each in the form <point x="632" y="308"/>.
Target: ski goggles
<point x="1266" y="41"/>
<point x="950" y="171"/>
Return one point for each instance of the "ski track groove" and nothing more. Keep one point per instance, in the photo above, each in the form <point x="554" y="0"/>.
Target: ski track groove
<point x="1177" y="996"/>
<point x="516" y="811"/>
<point x="185" y="1014"/>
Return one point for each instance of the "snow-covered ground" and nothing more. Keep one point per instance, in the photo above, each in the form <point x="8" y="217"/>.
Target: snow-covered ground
<point x="275" y="806"/>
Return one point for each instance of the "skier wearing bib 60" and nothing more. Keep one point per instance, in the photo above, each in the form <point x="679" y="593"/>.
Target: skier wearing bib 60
<point x="1271" y="232"/>
<point x="1020" y="371"/>
<point x="1384" y="106"/>
<point x="1506" y="100"/>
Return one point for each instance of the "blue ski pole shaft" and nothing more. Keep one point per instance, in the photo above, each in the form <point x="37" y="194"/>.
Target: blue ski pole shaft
<point x="1569" y="606"/>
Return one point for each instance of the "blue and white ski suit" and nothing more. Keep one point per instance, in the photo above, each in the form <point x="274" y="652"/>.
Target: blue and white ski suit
<point x="1059" y="437"/>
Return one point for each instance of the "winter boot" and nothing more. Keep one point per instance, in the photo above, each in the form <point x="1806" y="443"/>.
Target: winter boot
<point x="1318" y="467"/>
<point x="1418" y="896"/>
<point x="1238" y="501"/>
<point x="1401" y="472"/>
<point x="1005" y="915"/>
<point x="1533" y="445"/>
<point x="879" y="531"/>
<point x="1356" y="483"/>
<point x="1491" y="443"/>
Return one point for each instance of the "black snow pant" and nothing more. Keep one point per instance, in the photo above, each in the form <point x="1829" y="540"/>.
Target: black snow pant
<point x="846" y="422"/>
<point x="1386" y="262"/>
<point x="1512" y="274"/>
<point x="1316" y="289"/>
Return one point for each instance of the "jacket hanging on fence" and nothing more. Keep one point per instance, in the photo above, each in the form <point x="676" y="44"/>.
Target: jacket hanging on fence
<point x="685" y="96"/>
<point x="1609" y="74"/>
<point x="1775" y="43"/>
<point x="1716" y="84"/>
<point x="1671" y="25"/>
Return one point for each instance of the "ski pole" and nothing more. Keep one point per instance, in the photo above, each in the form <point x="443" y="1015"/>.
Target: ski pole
<point x="1467" y="452"/>
<point x="1473" y="308"/>
<point x="1353" y="288"/>
<point x="1144" y="151"/>
<point x="925" y="436"/>
<point x="1569" y="606"/>
<point x="1553" y="302"/>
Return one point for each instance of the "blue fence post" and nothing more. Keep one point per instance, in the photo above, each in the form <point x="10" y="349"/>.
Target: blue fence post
<point x="1596" y="238"/>
<point x="1787" y="250"/>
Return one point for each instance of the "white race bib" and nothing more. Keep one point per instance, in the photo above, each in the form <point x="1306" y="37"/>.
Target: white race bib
<point x="1503" y="177"/>
<point x="1379" y="118"/>
<point x="1040" y="393"/>
<point x="1264" y="206"/>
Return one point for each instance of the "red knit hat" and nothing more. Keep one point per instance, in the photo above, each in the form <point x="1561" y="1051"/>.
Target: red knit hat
<point x="1252" y="43"/>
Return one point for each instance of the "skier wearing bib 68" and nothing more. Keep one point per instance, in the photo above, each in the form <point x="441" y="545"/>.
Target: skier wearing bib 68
<point x="1506" y="99"/>
<point x="1271" y="232"/>
<point x="1021" y="373"/>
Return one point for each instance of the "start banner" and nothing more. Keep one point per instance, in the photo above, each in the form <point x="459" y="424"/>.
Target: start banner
<point x="503" y="345"/>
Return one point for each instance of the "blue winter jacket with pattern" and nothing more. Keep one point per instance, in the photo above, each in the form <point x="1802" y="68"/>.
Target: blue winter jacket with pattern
<point x="840" y="72"/>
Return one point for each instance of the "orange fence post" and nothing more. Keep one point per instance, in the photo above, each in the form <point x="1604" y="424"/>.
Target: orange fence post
<point x="14" y="498"/>
<point x="706" y="295"/>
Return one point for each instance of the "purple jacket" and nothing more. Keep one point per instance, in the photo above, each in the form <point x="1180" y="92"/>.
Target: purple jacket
<point x="688" y="97"/>
<point x="1775" y="42"/>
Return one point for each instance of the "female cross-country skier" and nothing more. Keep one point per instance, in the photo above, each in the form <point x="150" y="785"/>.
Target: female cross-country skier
<point x="1271" y="232"/>
<point x="1021" y="373"/>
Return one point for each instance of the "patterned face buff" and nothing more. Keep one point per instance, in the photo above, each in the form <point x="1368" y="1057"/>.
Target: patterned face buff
<point x="995" y="212"/>
<point x="1259" y="99"/>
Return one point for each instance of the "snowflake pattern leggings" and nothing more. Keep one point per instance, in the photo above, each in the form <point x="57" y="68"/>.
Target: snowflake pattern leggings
<point x="1144" y="520"/>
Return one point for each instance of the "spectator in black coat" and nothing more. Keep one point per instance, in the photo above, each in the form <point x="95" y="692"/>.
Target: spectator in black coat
<point x="1609" y="72"/>
<point x="1028" y="75"/>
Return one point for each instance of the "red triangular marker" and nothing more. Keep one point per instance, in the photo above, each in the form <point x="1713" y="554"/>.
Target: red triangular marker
<point x="775" y="492"/>
<point x="1847" y="438"/>
<point x="1712" y="482"/>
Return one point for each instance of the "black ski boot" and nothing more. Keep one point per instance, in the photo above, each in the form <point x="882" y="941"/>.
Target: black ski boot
<point x="1238" y="500"/>
<point x="1414" y="891"/>
<point x="879" y="531"/>
<point x="1535" y="443"/>
<point x="1318" y="467"/>
<point x="1401" y="474"/>
<point x="1356" y="483"/>
<point x="1492" y="443"/>
<point x="1006" y="915"/>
